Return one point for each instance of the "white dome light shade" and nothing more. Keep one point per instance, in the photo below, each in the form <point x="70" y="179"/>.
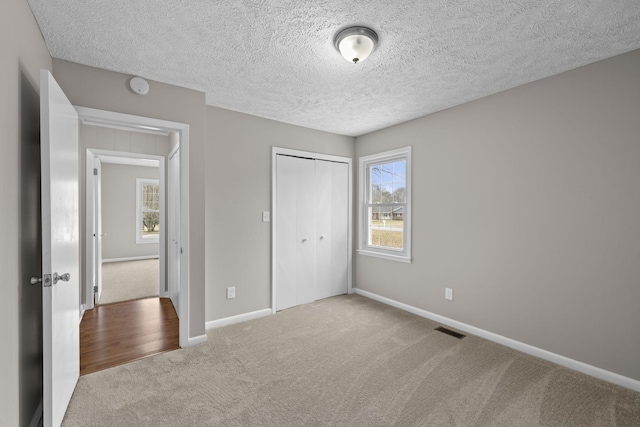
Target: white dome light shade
<point x="356" y="43"/>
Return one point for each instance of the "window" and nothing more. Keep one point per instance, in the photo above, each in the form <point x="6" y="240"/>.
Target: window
<point x="385" y="205"/>
<point x="147" y="210"/>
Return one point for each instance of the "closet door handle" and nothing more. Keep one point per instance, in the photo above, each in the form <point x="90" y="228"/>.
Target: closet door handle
<point x="304" y="239"/>
<point x="322" y="237"/>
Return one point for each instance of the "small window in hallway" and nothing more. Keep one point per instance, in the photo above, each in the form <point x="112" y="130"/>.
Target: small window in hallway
<point x="147" y="210"/>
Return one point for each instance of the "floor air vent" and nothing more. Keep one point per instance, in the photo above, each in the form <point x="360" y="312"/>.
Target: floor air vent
<point x="450" y="332"/>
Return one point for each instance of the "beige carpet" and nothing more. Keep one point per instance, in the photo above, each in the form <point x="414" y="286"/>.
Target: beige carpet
<point x="128" y="280"/>
<point x="346" y="361"/>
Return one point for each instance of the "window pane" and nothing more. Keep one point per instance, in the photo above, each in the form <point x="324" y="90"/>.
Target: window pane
<point x="388" y="182"/>
<point x="374" y="184"/>
<point x="400" y="170"/>
<point x="386" y="173"/>
<point x="397" y="226"/>
<point x="374" y="219"/>
<point x="376" y="193"/>
<point x="399" y="181"/>
<point x="386" y="227"/>
<point x="150" y="210"/>
<point x="376" y="174"/>
<point x="150" y="197"/>
<point x="399" y="193"/>
<point x="150" y="224"/>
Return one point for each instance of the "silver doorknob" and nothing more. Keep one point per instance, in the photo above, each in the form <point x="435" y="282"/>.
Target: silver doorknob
<point x="65" y="277"/>
<point x="304" y="239"/>
<point x="45" y="280"/>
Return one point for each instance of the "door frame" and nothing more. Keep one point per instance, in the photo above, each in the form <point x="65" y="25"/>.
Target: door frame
<point x="116" y="120"/>
<point x="173" y="232"/>
<point x="93" y="189"/>
<point x="93" y="228"/>
<point x="275" y="151"/>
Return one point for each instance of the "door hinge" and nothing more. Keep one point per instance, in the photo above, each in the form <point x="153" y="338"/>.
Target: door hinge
<point x="95" y="289"/>
<point x="95" y="171"/>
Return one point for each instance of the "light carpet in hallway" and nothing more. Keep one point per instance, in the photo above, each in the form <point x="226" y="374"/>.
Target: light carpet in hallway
<point x="346" y="361"/>
<point x="129" y="280"/>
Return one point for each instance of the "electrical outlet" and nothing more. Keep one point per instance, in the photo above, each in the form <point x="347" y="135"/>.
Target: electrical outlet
<point x="448" y="294"/>
<point x="265" y="216"/>
<point x="231" y="292"/>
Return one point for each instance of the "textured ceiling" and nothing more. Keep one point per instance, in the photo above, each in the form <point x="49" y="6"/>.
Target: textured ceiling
<point x="276" y="59"/>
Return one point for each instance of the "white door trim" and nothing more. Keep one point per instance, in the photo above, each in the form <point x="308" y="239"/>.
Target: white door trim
<point x="146" y="124"/>
<point x="93" y="251"/>
<point x="316" y="156"/>
<point x="172" y="227"/>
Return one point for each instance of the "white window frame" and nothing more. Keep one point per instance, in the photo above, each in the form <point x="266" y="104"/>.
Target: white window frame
<point x="364" y="248"/>
<point x="140" y="238"/>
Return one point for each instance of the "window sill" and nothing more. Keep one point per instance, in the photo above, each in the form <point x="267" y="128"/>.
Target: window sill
<point x="146" y="241"/>
<point x="398" y="258"/>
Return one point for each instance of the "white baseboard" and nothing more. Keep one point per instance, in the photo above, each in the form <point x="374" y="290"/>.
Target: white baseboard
<point x="35" y="420"/>
<point x="196" y="340"/>
<point x="132" y="258"/>
<point x="237" y="319"/>
<point x="593" y="371"/>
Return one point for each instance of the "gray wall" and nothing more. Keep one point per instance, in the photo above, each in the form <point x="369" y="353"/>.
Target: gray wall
<point x="107" y="90"/>
<point x="122" y="141"/>
<point x="22" y="55"/>
<point x="527" y="204"/>
<point x="238" y="185"/>
<point x="119" y="211"/>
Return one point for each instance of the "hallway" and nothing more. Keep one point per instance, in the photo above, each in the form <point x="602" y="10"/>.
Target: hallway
<point x="114" y="334"/>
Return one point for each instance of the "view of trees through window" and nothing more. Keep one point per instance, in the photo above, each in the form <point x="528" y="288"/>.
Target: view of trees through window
<point x="150" y="210"/>
<point x="386" y="204"/>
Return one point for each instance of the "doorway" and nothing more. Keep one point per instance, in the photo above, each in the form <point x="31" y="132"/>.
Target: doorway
<point x="179" y="137"/>
<point x="125" y="219"/>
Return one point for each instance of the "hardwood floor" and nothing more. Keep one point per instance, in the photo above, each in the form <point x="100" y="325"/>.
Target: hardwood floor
<point x="114" y="334"/>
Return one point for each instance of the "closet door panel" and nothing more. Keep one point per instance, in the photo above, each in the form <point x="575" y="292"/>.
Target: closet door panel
<point x="306" y="230"/>
<point x="323" y="187"/>
<point x="286" y="230"/>
<point x="339" y="228"/>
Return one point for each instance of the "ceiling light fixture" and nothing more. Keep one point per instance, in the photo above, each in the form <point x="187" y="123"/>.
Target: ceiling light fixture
<point x="356" y="43"/>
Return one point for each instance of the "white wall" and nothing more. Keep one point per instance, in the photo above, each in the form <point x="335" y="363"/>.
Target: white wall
<point x="238" y="189"/>
<point x="119" y="211"/>
<point x="527" y="204"/>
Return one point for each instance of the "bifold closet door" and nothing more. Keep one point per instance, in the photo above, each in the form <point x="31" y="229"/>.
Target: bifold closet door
<point x="295" y="228"/>
<point x="306" y="232"/>
<point x="311" y="230"/>
<point x="339" y="228"/>
<point x="332" y="215"/>
<point x="323" y="186"/>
